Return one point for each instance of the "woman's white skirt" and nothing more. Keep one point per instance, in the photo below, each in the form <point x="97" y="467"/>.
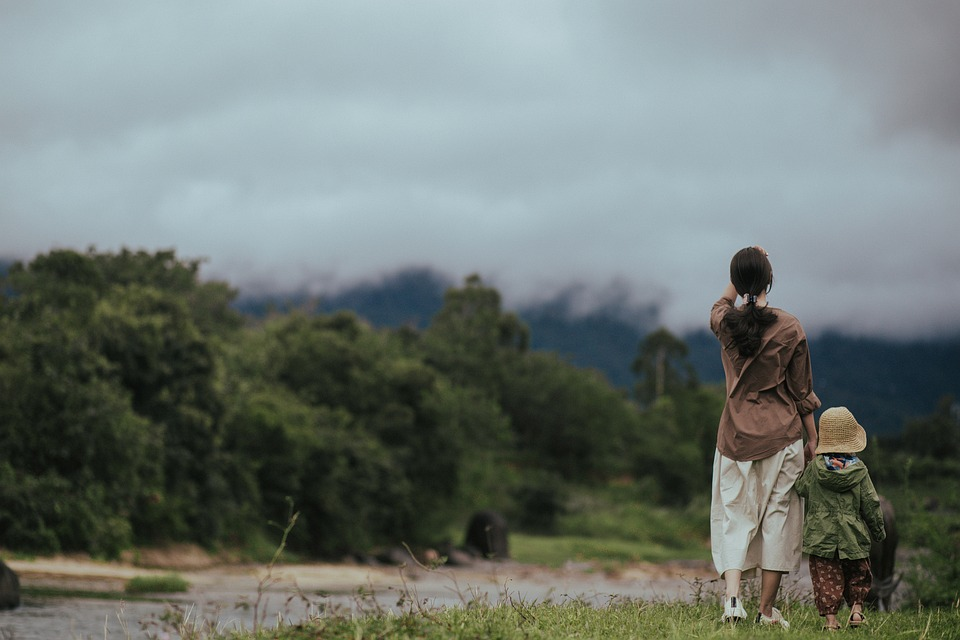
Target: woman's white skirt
<point x="756" y="518"/>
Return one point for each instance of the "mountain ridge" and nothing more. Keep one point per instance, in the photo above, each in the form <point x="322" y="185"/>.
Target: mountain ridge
<point x="884" y="382"/>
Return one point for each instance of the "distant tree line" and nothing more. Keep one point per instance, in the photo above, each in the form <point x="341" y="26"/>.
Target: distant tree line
<point x="885" y="381"/>
<point x="138" y="407"/>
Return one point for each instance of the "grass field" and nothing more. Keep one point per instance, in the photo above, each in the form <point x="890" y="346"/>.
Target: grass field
<point x="610" y="529"/>
<point x="518" y="620"/>
<point x="616" y="526"/>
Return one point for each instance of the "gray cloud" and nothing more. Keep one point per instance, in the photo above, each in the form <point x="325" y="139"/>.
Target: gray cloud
<point x="615" y="145"/>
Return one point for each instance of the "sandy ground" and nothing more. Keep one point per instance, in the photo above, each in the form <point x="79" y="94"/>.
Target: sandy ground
<point x="352" y="584"/>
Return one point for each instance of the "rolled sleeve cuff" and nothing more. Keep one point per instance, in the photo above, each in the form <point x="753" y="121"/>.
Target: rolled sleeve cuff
<point x="809" y="404"/>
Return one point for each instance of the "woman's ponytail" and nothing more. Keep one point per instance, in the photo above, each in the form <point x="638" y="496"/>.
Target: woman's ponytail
<point x="751" y="274"/>
<point x="747" y="325"/>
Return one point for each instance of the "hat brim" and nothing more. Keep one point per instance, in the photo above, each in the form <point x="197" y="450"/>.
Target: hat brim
<point x="855" y="444"/>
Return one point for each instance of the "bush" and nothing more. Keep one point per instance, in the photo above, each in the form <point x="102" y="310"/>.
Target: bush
<point x="540" y="500"/>
<point x="168" y="583"/>
<point x="47" y="514"/>
<point x="935" y="576"/>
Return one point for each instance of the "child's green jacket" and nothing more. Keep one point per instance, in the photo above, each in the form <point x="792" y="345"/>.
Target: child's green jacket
<point x="842" y="510"/>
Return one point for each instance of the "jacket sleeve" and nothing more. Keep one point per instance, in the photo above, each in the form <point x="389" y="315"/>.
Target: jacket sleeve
<point x="870" y="509"/>
<point x="799" y="378"/>
<point x="802" y="485"/>
<point x="720" y="308"/>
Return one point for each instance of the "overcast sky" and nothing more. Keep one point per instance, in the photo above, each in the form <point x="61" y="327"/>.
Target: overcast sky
<point x="627" y="147"/>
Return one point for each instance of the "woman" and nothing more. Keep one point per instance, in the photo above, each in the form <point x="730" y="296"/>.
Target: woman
<point x="755" y="517"/>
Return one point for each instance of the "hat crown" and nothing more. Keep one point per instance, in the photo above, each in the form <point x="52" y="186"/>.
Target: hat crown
<point x="840" y="432"/>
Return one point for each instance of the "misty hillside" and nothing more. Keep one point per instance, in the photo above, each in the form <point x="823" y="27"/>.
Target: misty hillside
<point x="883" y="382"/>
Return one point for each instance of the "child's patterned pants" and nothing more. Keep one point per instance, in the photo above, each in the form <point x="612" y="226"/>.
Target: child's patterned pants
<point x="835" y="580"/>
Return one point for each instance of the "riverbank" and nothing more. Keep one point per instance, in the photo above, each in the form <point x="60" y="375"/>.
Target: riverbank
<point x="210" y="576"/>
<point x="227" y="594"/>
<point x="77" y="597"/>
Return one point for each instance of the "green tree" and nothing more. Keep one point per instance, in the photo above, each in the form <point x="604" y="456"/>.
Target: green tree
<point x="120" y="355"/>
<point x="679" y="419"/>
<point x="147" y="326"/>
<point x="936" y="435"/>
<point x="374" y="444"/>
<point x="471" y="339"/>
<point x="62" y="283"/>
<point x="677" y="445"/>
<point x="77" y="457"/>
<point x="346" y="485"/>
<point x="567" y="420"/>
<point x="661" y="367"/>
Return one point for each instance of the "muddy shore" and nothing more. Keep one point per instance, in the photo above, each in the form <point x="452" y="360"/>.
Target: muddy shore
<point x="491" y="580"/>
<point x="231" y="594"/>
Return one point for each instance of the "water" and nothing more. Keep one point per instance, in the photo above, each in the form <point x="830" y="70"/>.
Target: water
<point x="77" y="619"/>
<point x="61" y="618"/>
<point x="224" y="599"/>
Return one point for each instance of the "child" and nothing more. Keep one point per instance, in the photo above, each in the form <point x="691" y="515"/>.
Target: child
<point x="842" y="513"/>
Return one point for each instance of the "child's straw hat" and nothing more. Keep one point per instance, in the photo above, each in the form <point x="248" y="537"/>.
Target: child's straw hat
<point x="840" y="432"/>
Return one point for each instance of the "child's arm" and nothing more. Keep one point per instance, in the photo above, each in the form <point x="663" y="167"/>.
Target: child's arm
<point x="870" y="509"/>
<point x="802" y="485"/>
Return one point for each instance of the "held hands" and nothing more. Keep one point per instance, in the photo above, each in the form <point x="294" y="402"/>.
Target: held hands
<point x="809" y="451"/>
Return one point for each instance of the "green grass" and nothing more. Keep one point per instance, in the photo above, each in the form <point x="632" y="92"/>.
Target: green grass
<point x="607" y="527"/>
<point x="614" y="526"/>
<point x="59" y="592"/>
<point x="168" y="583"/>
<point x="140" y="588"/>
<point x="518" y="620"/>
<point x="555" y="551"/>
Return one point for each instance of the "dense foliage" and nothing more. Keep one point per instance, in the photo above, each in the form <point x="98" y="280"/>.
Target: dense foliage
<point x="139" y="407"/>
<point x="887" y="381"/>
<point x="918" y="471"/>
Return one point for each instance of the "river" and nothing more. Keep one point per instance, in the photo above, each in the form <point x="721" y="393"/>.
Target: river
<point x="227" y="597"/>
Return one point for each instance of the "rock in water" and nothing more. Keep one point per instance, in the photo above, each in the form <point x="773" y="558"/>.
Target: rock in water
<point x="487" y="535"/>
<point x="9" y="588"/>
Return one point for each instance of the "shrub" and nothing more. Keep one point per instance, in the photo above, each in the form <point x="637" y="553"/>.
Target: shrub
<point x="935" y="576"/>
<point x="168" y="583"/>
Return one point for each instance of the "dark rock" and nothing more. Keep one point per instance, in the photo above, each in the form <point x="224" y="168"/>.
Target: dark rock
<point x="9" y="588"/>
<point x="456" y="557"/>
<point x="487" y="535"/>
<point x="396" y="556"/>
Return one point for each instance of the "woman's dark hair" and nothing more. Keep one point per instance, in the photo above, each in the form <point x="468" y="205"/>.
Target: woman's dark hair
<point x="751" y="274"/>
